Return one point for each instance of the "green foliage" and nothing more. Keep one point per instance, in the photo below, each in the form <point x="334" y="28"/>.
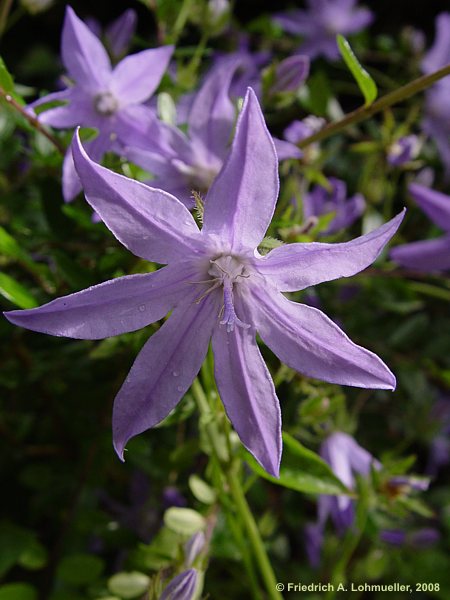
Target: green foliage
<point x="365" y="82"/>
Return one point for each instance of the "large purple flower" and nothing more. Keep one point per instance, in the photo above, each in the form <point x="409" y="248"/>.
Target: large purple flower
<point x="109" y="100"/>
<point x="434" y="254"/>
<point x="321" y="22"/>
<point x="218" y="287"/>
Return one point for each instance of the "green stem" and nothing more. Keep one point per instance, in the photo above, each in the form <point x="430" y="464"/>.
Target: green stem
<point x="180" y="21"/>
<point x="32" y="120"/>
<point x="5" y="7"/>
<point x="253" y="534"/>
<point x="364" y="112"/>
<point x="240" y="502"/>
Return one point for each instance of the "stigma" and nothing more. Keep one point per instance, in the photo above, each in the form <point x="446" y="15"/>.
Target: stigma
<point x="227" y="272"/>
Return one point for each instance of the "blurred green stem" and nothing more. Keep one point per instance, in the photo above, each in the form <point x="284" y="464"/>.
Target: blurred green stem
<point x="230" y="468"/>
<point x="365" y="112"/>
<point x="31" y="120"/>
<point x="5" y="7"/>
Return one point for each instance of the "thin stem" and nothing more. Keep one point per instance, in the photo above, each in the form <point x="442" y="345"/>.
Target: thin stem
<point x="240" y="503"/>
<point x="32" y="120"/>
<point x="364" y="112"/>
<point x="5" y="7"/>
<point x="253" y="534"/>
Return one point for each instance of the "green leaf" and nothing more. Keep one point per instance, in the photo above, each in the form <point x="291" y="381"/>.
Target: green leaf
<point x="6" y="80"/>
<point x="34" y="557"/>
<point x="365" y="82"/>
<point x="129" y="585"/>
<point x="301" y="470"/>
<point x="184" y="521"/>
<point x="15" y="292"/>
<point x="80" y="569"/>
<point x="14" y="541"/>
<point x="17" y="591"/>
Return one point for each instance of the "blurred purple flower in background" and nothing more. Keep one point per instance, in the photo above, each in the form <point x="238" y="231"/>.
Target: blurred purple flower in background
<point x="320" y="201"/>
<point x="321" y="22"/>
<point x="436" y="121"/>
<point x="439" y="455"/>
<point x="421" y="538"/>
<point x="118" y="34"/>
<point x="346" y="458"/>
<point x="434" y="254"/>
<point x="290" y="74"/>
<point x="217" y="286"/>
<point x="403" y="150"/>
<point x="182" y="162"/>
<point x="109" y="100"/>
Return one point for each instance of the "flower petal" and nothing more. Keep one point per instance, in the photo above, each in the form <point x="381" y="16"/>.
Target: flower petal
<point x="164" y="369"/>
<point x="434" y="204"/>
<point x="120" y="32"/>
<point x="438" y="55"/>
<point x="248" y="393"/>
<point x="182" y="587"/>
<point x="149" y="222"/>
<point x="83" y="54"/>
<point x="71" y="183"/>
<point x="308" y="341"/>
<point x="427" y="255"/>
<point x="110" y="308"/>
<point x="241" y="200"/>
<point x="212" y="113"/>
<point x="137" y="76"/>
<point x="297" y="266"/>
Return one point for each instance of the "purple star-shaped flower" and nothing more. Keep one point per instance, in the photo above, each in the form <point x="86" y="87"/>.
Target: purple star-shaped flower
<point x="321" y="22"/>
<point x="434" y="254"/>
<point x="218" y="287"/>
<point x="109" y="100"/>
<point x="320" y="201"/>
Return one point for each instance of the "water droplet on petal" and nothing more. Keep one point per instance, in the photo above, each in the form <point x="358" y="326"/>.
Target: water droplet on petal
<point x="180" y="388"/>
<point x="175" y="373"/>
<point x="142" y="307"/>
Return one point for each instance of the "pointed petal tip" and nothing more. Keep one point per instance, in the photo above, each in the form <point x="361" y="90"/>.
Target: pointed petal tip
<point x="119" y="448"/>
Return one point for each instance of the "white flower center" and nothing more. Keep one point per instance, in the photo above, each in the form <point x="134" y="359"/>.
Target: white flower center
<point x="105" y="104"/>
<point x="227" y="271"/>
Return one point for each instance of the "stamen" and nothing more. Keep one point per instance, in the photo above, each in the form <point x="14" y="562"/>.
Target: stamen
<point x="230" y="317"/>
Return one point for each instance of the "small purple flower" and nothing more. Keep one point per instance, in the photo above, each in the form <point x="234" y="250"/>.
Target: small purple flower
<point x="217" y="286"/>
<point x="403" y="150"/>
<point x="117" y="34"/>
<point x="434" y="254"/>
<point x="290" y="74"/>
<point x="320" y="201"/>
<point x="109" y="100"/>
<point x="321" y="22"/>
<point x="183" y="162"/>
<point x="440" y="445"/>
<point x="346" y="458"/>
<point x="420" y="538"/>
<point x="182" y="587"/>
